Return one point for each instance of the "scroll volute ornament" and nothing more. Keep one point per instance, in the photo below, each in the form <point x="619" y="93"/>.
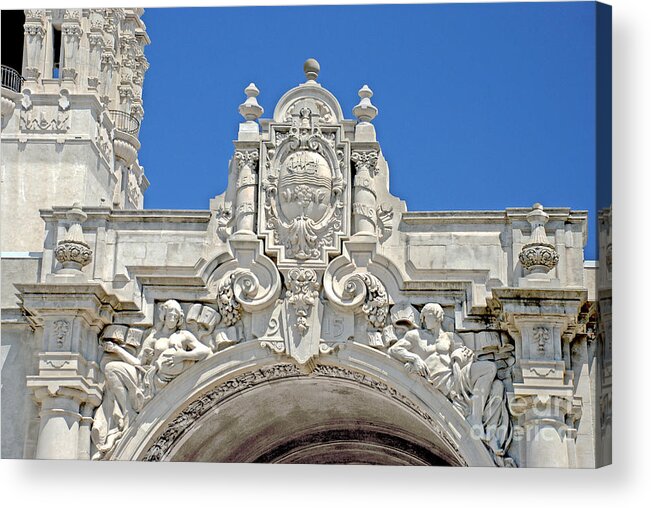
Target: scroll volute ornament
<point x="360" y="291"/>
<point x="240" y="289"/>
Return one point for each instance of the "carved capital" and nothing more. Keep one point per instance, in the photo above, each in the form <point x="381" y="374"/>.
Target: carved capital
<point x="96" y="40"/>
<point x="35" y="30"/>
<point x="247" y="159"/>
<point x="34" y="14"/>
<point x="72" y="30"/>
<point x="366" y="161"/>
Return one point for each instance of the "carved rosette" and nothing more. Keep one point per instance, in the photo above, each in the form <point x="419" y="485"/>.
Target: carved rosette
<point x="73" y="255"/>
<point x="302" y="293"/>
<point x="224" y="219"/>
<point x="539" y="257"/>
<point x="303" y="199"/>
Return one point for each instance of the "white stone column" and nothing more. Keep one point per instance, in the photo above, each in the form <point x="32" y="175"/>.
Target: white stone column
<point x="66" y="386"/>
<point x="364" y="194"/>
<point x="365" y="158"/>
<point x="247" y="157"/>
<point x="549" y="441"/>
<point x="96" y="42"/>
<point x="34" y="36"/>
<point x="543" y="402"/>
<point x="58" y="435"/>
<point x="85" y="425"/>
<point x="247" y="182"/>
<point x="71" y="32"/>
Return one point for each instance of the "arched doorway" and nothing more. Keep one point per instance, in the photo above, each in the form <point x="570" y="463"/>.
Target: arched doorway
<point x="247" y="405"/>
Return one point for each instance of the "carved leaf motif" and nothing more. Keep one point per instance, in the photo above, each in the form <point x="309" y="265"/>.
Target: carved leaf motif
<point x="246" y="158"/>
<point x="229" y="308"/>
<point x="541" y="337"/>
<point x="385" y="216"/>
<point x="61" y="329"/>
<point x="366" y="160"/>
<point x="302" y="292"/>
<point x="376" y="306"/>
<point x="539" y="255"/>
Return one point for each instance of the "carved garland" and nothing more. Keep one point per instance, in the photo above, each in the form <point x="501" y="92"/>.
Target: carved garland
<point x="184" y="420"/>
<point x="229" y="308"/>
<point x="376" y="304"/>
<point x="302" y="293"/>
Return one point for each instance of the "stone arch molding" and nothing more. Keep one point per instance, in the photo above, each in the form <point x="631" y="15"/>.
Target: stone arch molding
<point x="193" y="400"/>
<point x="246" y="336"/>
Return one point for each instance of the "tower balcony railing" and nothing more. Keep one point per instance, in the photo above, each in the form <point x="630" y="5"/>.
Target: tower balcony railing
<point x="11" y="79"/>
<point x="125" y="122"/>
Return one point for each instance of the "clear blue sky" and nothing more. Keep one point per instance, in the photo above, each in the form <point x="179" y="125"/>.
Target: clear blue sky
<point x="481" y="106"/>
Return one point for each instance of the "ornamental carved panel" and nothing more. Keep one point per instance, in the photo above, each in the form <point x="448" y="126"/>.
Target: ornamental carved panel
<point x="304" y="194"/>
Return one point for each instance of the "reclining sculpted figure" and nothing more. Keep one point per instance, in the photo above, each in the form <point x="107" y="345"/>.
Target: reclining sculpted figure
<point x="470" y="384"/>
<point x="132" y="380"/>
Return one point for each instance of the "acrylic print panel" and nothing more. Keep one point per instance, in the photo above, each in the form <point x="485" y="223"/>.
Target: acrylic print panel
<point x="273" y="299"/>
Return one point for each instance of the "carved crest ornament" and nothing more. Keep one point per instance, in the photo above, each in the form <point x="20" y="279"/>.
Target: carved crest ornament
<point x="303" y="196"/>
<point x="292" y="286"/>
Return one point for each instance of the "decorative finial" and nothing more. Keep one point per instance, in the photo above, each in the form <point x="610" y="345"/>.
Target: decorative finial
<point x="538" y="255"/>
<point x="73" y="252"/>
<point x="76" y="214"/>
<point x="250" y="109"/>
<point x="365" y="111"/>
<point x="311" y="69"/>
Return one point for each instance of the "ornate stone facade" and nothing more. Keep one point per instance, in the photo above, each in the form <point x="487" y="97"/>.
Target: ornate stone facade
<point x="306" y="297"/>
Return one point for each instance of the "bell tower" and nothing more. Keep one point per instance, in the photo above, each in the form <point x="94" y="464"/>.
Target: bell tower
<point x="71" y="116"/>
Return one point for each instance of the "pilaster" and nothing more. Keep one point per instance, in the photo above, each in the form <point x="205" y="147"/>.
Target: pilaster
<point x="67" y="386"/>
<point x="365" y="154"/>
<point x="544" y="403"/>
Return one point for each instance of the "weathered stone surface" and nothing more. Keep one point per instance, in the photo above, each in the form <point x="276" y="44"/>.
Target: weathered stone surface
<point x="305" y="296"/>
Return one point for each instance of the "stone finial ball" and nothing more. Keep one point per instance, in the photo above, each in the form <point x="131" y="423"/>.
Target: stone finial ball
<point x="311" y="68"/>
